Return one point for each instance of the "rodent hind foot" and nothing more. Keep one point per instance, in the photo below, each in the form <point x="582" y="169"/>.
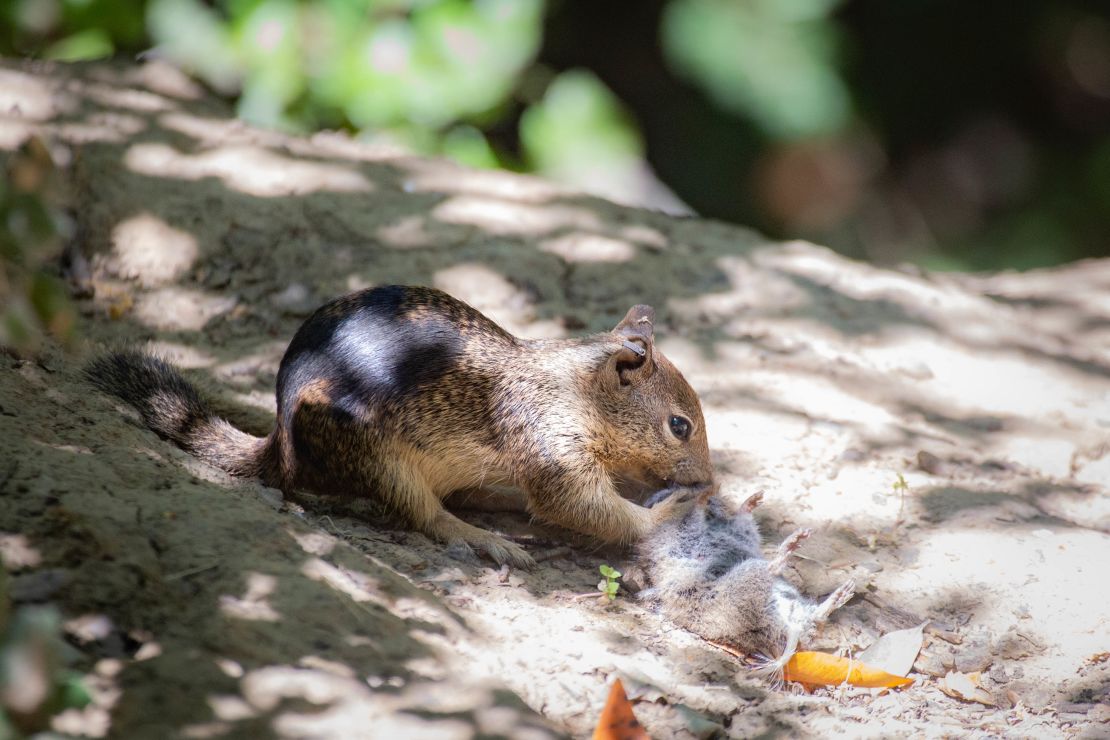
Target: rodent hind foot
<point x="834" y="601"/>
<point x="788" y="546"/>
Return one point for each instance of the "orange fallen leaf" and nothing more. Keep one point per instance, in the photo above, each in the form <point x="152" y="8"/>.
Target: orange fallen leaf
<point x="831" y="670"/>
<point x="617" y="720"/>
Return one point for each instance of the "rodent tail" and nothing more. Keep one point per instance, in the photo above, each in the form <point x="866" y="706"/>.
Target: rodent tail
<point x="174" y="409"/>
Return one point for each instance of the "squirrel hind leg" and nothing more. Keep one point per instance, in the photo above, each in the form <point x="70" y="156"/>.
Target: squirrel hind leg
<point x="403" y="487"/>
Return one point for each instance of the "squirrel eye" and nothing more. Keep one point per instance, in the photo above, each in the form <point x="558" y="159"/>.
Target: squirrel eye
<point x="680" y="427"/>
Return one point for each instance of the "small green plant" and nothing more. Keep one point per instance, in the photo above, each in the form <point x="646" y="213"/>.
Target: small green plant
<point x="608" y="585"/>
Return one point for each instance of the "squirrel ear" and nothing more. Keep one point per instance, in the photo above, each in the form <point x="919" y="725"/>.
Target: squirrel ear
<point x="638" y="322"/>
<point x="633" y="360"/>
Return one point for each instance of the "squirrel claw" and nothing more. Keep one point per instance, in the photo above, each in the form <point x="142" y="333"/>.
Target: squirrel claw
<point x="497" y="549"/>
<point x="506" y="553"/>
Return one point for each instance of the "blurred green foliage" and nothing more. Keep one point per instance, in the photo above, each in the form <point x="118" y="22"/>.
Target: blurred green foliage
<point x="954" y="136"/>
<point x="33" y="300"/>
<point x="35" y="683"/>
<point x="773" y="61"/>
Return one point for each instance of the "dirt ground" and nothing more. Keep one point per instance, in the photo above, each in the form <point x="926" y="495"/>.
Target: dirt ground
<point x="203" y="606"/>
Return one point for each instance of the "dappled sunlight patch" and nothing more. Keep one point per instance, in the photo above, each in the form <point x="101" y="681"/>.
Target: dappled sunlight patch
<point x="768" y="435"/>
<point x="26" y="98"/>
<point x="333" y="667"/>
<point x="256" y="399"/>
<point x="248" y="169"/>
<point x="221" y="131"/>
<point x="14" y="132"/>
<point x="72" y="449"/>
<point x="111" y="96"/>
<point x="750" y="289"/>
<point x="427" y="176"/>
<point x="17" y="552"/>
<point x="340" y="703"/>
<point x="174" y="307"/>
<point x="314" y="542"/>
<point x="823" y="400"/>
<point x="230" y="668"/>
<point x="408" y="232"/>
<point x="506" y="218"/>
<point x="230" y="708"/>
<point x="95" y="719"/>
<point x="863" y="282"/>
<point x="1057" y="573"/>
<point x="645" y="236"/>
<point x="205" y="730"/>
<point x="151" y="251"/>
<point x="995" y="380"/>
<point x="102" y="127"/>
<point x="254" y="605"/>
<point x="1039" y="449"/>
<point x="187" y="356"/>
<point x="494" y="295"/>
<point x="586" y="247"/>
<point x="1088" y="506"/>
<point x="859" y="496"/>
<point x="358" y="586"/>
<point x="163" y="78"/>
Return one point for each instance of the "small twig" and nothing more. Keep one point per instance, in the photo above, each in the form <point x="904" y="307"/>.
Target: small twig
<point x="823" y="564"/>
<point x="191" y="571"/>
<point x="528" y="539"/>
<point x="592" y="595"/>
<point x="728" y="649"/>
<point x="952" y="637"/>
<point x="334" y="527"/>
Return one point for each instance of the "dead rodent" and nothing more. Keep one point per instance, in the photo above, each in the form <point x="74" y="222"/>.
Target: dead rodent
<point x="707" y="573"/>
<point x="407" y="394"/>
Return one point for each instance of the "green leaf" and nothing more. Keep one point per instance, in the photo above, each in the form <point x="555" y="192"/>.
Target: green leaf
<point x="72" y="691"/>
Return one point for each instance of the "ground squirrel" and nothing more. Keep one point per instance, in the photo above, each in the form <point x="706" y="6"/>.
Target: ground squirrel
<point x="707" y="573"/>
<point x="407" y="394"/>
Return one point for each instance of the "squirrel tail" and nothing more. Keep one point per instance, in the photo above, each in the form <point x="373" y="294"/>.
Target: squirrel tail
<point x="174" y="409"/>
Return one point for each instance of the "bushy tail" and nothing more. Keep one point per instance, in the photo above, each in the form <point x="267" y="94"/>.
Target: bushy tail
<point x="174" y="409"/>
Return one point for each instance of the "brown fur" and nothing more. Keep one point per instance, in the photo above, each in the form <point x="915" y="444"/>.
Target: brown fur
<point x="409" y="395"/>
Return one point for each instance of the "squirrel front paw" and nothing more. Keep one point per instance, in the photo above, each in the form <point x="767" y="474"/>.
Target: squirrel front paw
<point x="675" y="501"/>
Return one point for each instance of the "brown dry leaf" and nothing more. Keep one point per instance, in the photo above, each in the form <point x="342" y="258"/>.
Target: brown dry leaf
<point x="965" y="686"/>
<point x="1099" y="658"/>
<point x="831" y="670"/>
<point x="896" y="651"/>
<point x="617" y="720"/>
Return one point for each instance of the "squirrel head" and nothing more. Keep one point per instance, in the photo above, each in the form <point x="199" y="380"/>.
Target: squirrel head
<point x="655" y="432"/>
